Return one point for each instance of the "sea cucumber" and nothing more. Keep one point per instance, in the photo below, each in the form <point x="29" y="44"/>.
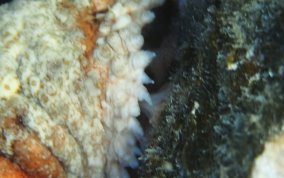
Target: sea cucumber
<point x="71" y="76"/>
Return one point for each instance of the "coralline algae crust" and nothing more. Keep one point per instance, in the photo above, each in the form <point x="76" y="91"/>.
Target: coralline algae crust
<point x="86" y="118"/>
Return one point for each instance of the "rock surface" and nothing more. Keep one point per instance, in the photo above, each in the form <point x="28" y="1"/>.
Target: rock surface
<point x="227" y="98"/>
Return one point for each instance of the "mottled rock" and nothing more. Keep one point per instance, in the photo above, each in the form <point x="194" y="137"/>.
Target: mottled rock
<point x="227" y="90"/>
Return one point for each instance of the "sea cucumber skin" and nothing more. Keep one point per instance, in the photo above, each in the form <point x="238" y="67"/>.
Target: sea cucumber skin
<point x="82" y="108"/>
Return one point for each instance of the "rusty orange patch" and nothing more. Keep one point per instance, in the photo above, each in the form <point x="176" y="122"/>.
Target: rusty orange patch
<point x="30" y="154"/>
<point x="10" y="170"/>
<point x="89" y="26"/>
<point x="36" y="159"/>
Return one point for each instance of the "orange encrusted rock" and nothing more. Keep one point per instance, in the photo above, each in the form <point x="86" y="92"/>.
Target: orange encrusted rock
<point x="36" y="159"/>
<point x="29" y="153"/>
<point x="10" y="170"/>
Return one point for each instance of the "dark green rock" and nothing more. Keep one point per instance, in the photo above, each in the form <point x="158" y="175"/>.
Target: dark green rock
<point x="228" y="90"/>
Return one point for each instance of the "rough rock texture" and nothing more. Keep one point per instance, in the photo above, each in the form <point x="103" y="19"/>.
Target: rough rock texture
<point x="227" y="96"/>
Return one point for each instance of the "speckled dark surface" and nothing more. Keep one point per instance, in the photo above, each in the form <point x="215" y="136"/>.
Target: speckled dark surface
<point x="228" y="90"/>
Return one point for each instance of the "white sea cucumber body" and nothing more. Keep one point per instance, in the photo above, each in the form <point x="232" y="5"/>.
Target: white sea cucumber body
<point x="93" y="114"/>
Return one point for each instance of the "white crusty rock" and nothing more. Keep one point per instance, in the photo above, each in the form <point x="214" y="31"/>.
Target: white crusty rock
<point x="85" y="116"/>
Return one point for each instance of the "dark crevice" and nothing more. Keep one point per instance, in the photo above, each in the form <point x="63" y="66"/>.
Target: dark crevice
<point x="4" y="1"/>
<point x="159" y="37"/>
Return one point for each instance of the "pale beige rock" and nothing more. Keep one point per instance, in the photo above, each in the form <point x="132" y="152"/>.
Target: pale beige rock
<point x="270" y="163"/>
<point x="102" y="4"/>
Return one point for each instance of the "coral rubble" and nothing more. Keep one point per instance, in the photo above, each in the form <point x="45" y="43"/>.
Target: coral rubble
<point x="71" y="76"/>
